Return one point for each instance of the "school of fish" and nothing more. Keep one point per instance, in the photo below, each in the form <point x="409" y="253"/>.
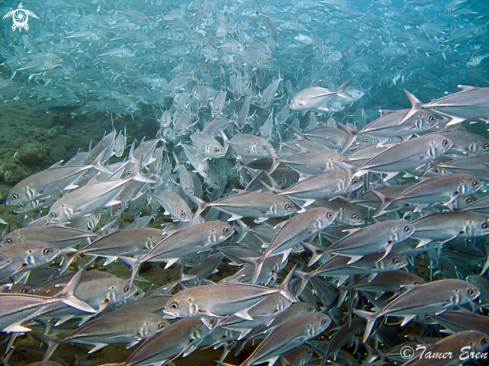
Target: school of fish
<point x="306" y="227"/>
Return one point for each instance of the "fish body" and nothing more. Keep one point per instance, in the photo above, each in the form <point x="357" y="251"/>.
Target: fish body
<point x="437" y="296"/>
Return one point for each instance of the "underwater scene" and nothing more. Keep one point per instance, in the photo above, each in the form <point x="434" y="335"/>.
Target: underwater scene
<point x="240" y="182"/>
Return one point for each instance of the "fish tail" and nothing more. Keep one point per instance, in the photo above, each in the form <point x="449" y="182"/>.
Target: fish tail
<point x="384" y="202"/>
<point x="371" y="318"/>
<point x="51" y="343"/>
<point x="415" y="106"/>
<point x="257" y="264"/>
<point x="68" y="259"/>
<point x="201" y="204"/>
<point x="225" y="141"/>
<point x="341" y="91"/>
<point x="304" y="277"/>
<point x="352" y="136"/>
<point x="316" y="253"/>
<point x="284" y="286"/>
<point x="68" y="297"/>
<point x="134" y="264"/>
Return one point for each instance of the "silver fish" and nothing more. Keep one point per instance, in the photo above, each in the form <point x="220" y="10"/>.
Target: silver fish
<point x="180" y="243"/>
<point x="179" y="338"/>
<point x="293" y="232"/>
<point x="16" y="309"/>
<point x="222" y="299"/>
<point x="61" y="236"/>
<point x="250" y="204"/>
<point x="175" y="205"/>
<point x="437" y="296"/>
<point x="25" y="256"/>
<point x="316" y="96"/>
<point x="468" y="104"/>
<point x="289" y="335"/>
<point x="110" y="329"/>
<point x="445" y="226"/>
<point x="444" y="189"/>
<point x="207" y="145"/>
<point x="411" y="154"/>
<point x="84" y="200"/>
<point x="46" y="182"/>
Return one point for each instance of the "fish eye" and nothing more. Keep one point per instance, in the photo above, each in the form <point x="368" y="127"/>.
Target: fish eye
<point x="161" y="325"/>
<point x="309" y="310"/>
<point x="444" y="142"/>
<point x="126" y="288"/>
<point x="469" y="200"/>
<point x="182" y="213"/>
<point x="396" y="260"/>
<point x="47" y="251"/>
<point x="484" y="225"/>
<point x="288" y="206"/>
<point x="9" y="241"/>
<point x="174" y="305"/>
<point x="416" y="283"/>
<point x="486" y="146"/>
<point x="329" y="215"/>
<point x="475" y="183"/>
<point x="225" y="230"/>
<point x="14" y="196"/>
<point x="355" y="217"/>
<point x="216" y="149"/>
<point x="407" y="229"/>
<point x="431" y="118"/>
<point x="323" y="321"/>
<point x="483" y="342"/>
<point x="471" y="291"/>
<point x="53" y="215"/>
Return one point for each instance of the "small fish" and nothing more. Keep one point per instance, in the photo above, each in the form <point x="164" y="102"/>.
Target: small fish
<point x="316" y="96"/>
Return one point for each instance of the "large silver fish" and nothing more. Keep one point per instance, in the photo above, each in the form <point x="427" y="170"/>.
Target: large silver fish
<point x="16" y="309"/>
<point x="437" y="296"/>
<point x="471" y="103"/>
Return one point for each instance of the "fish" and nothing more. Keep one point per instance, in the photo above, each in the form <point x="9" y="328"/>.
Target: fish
<point x="411" y="154"/>
<point x="316" y="96"/>
<point x="291" y="334"/>
<point x="22" y="257"/>
<point x="222" y="299"/>
<point x="179" y="338"/>
<point x="46" y="182"/>
<point x="437" y="296"/>
<point x="468" y="104"/>
<point x="174" y="205"/>
<point x="179" y="243"/>
<point x="444" y="189"/>
<point x="293" y="232"/>
<point x="16" y="309"/>
<point x="61" y="236"/>
<point x="109" y="329"/>
<point x="249" y="204"/>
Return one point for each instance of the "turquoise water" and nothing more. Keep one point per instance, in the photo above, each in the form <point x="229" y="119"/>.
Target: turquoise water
<point x="84" y="68"/>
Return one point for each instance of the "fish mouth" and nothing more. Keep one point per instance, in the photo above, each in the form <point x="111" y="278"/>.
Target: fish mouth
<point x="169" y="315"/>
